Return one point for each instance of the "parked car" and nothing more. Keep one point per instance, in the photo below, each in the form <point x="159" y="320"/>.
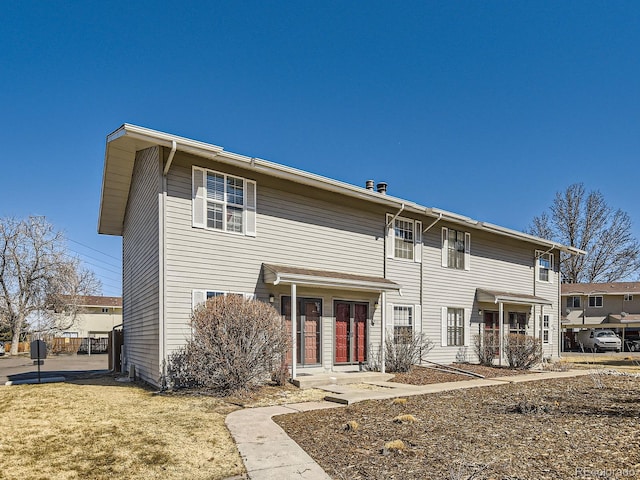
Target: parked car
<point x="633" y="345"/>
<point x="1" y="348"/>
<point x="599" y="340"/>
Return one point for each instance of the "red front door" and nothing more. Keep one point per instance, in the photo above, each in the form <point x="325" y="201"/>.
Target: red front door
<point x="351" y="332"/>
<point x="360" y="321"/>
<point x="343" y="332"/>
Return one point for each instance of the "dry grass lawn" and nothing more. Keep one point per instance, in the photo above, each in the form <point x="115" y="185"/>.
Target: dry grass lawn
<point x="102" y="429"/>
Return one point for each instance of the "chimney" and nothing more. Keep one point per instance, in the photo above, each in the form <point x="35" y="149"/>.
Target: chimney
<point x="369" y="184"/>
<point x="382" y="188"/>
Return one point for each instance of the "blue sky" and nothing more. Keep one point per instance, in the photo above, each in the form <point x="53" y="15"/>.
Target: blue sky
<point x="482" y="108"/>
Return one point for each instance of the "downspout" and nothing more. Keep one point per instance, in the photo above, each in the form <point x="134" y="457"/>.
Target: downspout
<point x="396" y="215"/>
<point x="163" y="266"/>
<point x="174" y="147"/>
<point x="422" y="265"/>
<point x="383" y="323"/>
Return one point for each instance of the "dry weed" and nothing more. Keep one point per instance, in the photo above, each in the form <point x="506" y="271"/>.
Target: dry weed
<point x="408" y="418"/>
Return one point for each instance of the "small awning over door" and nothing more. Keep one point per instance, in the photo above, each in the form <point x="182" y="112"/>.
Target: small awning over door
<point x="491" y="296"/>
<point x="280" y="274"/>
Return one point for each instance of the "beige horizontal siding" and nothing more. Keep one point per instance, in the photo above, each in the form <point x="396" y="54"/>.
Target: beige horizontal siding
<point x="141" y="268"/>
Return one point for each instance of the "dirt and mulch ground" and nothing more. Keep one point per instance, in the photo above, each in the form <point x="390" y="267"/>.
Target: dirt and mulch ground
<point x="428" y="375"/>
<point x="583" y="427"/>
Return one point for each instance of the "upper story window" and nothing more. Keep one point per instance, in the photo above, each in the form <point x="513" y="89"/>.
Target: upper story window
<point x="595" y="301"/>
<point x="456" y="249"/>
<point x="574" y="302"/>
<point x="544" y="266"/>
<point x="403" y="234"/>
<point x="404" y="238"/>
<point x="628" y="297"/>
<point x="223" y="202"/>
<point x="105" y="309"/>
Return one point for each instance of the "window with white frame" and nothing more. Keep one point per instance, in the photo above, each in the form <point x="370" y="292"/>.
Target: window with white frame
<point x="455" y="327"/>
<point x="456" y="249"/>
<point x="223" y="202"/>
<point x="544" y="266"/>
<point x="404" y="238"/>
<point x="595" y="301"/>
<point x="545" y="328"/>
<point x="200" y="296"/>
<point x="628" y="297"/>
<point x="574" y="302"/>
<point x="518" y="323"/>
<point x="403" y="232"/>
<point x="402" y="323"/>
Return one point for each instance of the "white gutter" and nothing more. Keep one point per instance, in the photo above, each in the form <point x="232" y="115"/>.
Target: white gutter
<point x="174" y="147"/>
<point x="148" y="137"/>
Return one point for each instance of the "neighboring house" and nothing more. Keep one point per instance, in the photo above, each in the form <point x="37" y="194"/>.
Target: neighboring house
<point x="608" y="305"/>
<point x="96" y="318"/>
<point x="349" y="264"/>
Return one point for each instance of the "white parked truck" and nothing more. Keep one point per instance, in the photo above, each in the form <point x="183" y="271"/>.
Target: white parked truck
<point x="599" y="340"/>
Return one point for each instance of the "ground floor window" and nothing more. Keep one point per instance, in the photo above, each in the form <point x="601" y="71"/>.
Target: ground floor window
<point x="455" y="327"/>
<point x="545" y="329"/>
<point x="517" y="323"/>
<point x="402" y="323"/>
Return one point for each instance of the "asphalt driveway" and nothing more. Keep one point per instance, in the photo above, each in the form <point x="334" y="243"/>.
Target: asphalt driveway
<point x="21" y="367"/>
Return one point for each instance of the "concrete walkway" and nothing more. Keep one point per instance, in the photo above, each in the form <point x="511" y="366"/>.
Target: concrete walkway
<point x="269" y="453"/>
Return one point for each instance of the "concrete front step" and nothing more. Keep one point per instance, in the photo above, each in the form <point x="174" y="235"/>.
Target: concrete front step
<point x="339" y="378"/>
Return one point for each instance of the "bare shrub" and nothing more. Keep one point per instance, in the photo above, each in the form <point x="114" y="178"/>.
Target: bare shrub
<point x="486" y="347"/>
<point x="236" y="343"/>
<point x="522" y="351"/>
<point x="402" y="351"/>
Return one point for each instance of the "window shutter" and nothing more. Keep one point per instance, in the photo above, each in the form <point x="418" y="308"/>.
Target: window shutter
<point x="551" y="270"/>
<point x="552" y="329"/>
<point x="417" y="318"/>
<point x="390" y="233"/>
<point x="443" y="326"/>
<point x="389" y="331"/>
<point x="199" y="198"/>
<point x="445" y="247"/>
<point x="198" y="297"/>
<point x="250" y="209"/>
<point x="417" y="242"/>
<point x="467" y="327"/>
<point x="467" y="251"/>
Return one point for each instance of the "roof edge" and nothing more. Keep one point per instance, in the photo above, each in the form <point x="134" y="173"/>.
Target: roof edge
<point x="211" y="151"/>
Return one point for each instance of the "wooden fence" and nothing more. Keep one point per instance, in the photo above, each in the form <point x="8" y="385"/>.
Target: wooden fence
<point x="22" y="347"/>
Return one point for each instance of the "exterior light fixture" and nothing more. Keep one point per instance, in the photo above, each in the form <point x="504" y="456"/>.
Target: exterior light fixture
<point x="272" y="298"/>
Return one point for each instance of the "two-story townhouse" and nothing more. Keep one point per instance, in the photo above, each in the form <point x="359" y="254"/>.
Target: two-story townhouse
<point x="344" y="265"/>
<point x="614" y="305"/>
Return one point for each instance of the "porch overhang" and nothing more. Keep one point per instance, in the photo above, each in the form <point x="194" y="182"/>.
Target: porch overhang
<point x="492" y="296"/>
<point x="285" y="275"/>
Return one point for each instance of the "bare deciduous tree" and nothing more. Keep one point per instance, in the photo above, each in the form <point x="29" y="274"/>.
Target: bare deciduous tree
<point x="38" y="277"/>
<point x="585" y="220"/>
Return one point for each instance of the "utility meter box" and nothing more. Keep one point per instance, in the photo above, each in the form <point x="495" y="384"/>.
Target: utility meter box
<point x="38" y="350"/>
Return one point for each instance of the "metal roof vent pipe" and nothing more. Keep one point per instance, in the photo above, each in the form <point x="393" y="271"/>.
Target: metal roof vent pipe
<point x="369" y="184"/>
<point x="382" y="188"/>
